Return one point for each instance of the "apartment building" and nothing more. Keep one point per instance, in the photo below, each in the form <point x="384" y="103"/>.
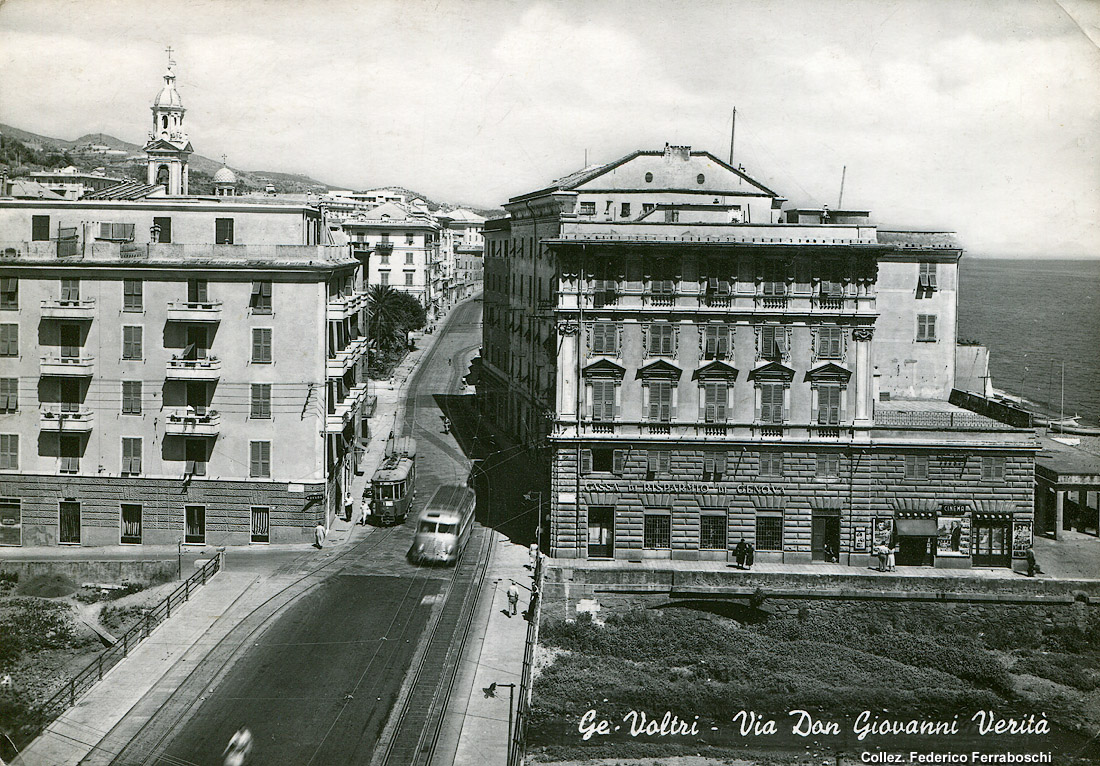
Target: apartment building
<point x="704" y="367"/>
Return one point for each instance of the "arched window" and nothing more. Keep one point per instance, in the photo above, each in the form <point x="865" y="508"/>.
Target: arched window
<point x="162" y="177"/>
<point x="164" y="122"/>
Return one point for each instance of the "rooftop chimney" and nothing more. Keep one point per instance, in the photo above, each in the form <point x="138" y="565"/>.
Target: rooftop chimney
<point x="679" y="152"/>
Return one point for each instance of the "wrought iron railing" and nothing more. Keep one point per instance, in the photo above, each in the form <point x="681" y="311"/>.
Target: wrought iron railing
<point x="517" y="749"/>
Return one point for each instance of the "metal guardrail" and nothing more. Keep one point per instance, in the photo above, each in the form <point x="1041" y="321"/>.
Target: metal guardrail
<point x="517" y="748"/>
<point x="92" y="674"/>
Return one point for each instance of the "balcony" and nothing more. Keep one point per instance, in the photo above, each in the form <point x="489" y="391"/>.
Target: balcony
<point x="82" y="310"/>
<point x="209" y="369"/>
<point x="195" y="311"/>
<point x="185" y="421"/>
<point x="772" y="302"/>
<point x="82" y="366"/>
<point x="68" y="418"/>
<point x="336" y="422"/>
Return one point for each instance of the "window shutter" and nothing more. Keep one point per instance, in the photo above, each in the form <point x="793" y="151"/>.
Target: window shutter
<point x="708" y="465"/>
<point x="615" y="399"/>
<point x="780" y="341"/>
<point x="256" y="289"/>
<point x="666" y="340"/>
<point x="723" y="341"/>
<point x="932" y="276"/>
<point x="664" y="463"/>
<point x="666" y="401"/>
<point x="651" y="461"/>
<point x="586" y="461"/>
<point x="781" y="404"/>
<point x="720" y="463"/>
<point x="618" y="458"/>
<point x="987" y="469"/>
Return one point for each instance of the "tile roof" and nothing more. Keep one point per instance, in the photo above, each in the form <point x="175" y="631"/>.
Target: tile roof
<point x="26" y="189"/>
<point x="125" y="190"/>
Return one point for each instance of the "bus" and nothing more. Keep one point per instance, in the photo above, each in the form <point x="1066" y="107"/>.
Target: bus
<point x="444" y="526"/>
<point x="393" y="486"/>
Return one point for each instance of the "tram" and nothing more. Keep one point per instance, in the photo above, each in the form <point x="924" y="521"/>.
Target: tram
<point x="393" y="486"/>
<point x="444" y="526"/>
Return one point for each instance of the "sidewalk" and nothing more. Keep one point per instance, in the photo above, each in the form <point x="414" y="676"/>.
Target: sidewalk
<point x="475" y="725"/>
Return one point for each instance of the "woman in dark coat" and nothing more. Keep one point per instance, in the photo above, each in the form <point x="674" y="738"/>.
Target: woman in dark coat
<point x="739" y="552"/>
<point x="750" y="552"/>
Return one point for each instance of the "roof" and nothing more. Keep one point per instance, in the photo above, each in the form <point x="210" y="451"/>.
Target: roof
<point x="462" y="215"/>
<point x="168" y="95"/>
<point x="584" y="175"/>
<point x="225" y="176"/>
<point x="916" y="238"/>
<point x="1059" y="460"/>
<point x="127" y="190"/>
<point x="27" y="189"/>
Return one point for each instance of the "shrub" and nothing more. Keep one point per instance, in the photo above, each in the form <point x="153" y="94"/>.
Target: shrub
<point x="1065" y="669"/>
<point x="32" y="624"/>
<point x="47" y="586"/>
<point x="118" y="619"/>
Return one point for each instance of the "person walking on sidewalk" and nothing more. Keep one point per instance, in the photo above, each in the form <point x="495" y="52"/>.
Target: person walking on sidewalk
<point x="513" y="598"/>
<point x="319" y="533"/>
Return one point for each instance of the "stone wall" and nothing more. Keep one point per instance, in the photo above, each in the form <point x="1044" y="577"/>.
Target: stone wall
<point x="96" y="571"/>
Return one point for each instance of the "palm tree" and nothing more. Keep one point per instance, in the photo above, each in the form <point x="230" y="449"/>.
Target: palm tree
<point x="390" y="316"/>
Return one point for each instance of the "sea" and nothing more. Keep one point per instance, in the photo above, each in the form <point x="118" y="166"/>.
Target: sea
<point x="1034" y="316"/>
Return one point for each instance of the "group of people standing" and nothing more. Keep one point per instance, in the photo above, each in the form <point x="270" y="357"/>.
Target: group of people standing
<point x="743" y="553"/>
<point x="885" y="555"/>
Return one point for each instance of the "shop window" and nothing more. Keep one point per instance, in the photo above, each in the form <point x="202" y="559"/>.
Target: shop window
<point x="712" y="531"/>
<point x="769" y="533"/>
<point x="771" y="464"/>
<point x="131" y="524"/>
<point x="657" y="531"/>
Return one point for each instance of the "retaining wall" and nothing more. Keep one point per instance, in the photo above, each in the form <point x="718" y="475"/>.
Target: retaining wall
<point x="95" y="571"/>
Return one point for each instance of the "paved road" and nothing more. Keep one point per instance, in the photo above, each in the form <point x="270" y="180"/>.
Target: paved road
<point x="317" y="682"/>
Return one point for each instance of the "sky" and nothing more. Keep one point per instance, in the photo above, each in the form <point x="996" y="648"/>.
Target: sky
<point x="979" y="116"/>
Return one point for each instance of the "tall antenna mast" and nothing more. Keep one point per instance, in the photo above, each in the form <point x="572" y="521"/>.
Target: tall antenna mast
<point x="586" y="158"/>
<point x="843" y="173"/>
<point x="733" y="133"/>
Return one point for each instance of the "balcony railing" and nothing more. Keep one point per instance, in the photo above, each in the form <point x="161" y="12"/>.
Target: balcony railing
<point x="62" y="417"/>
<point x="68" y="366"/>
<point x="195" y="311"/>
<point x="68" y="309"/>
<point x="936" y="419"/>
<point x="185" y="421"/>
<point x="209" y="368"/>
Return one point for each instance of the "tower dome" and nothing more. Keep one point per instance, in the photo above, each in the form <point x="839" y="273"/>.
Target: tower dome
<point x="225" y="176"/>
<point x="225" y="181"/>
<point x="169" y="96"/>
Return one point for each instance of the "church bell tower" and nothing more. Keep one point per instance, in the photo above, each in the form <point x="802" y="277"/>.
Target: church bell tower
<point x="168" y="148"/>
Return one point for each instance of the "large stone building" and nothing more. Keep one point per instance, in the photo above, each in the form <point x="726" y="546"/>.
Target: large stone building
<point x="175" y="367"/>
<point x="706" y="367"/>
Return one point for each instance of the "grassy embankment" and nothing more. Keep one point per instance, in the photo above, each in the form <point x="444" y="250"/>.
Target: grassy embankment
<point x="925" y="665"/>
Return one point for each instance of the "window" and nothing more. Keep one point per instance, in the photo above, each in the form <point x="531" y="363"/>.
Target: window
<point x="603" y="400"/>
<point x="828" y="405"/>
<point x="261" y="517"/>
<point x="657" y="532"/>
<point x="409" y="239"/>
<point x="926" y="279"/>
<point x="408" y="259"/>
<point x="649" y="178"/>
<point x="131" y="342"/>
<point x="40" y="228"/>
<point x="9" y="452"/>
<point x="715" y="399"/>
<point x="69" y="335"/>
<point x="769" y="533"/>
<point x="195" y="456"/>
<point x="830" y="342"/>
<point x="775" y="280"/>
<point x="261" y="400"/>
<point x="712" y="532"/>
<point x="647" y="207"/>
<point x="259" y="460"/>
<point x="9" y="394"/>
<point x="828" y="465"/>
<point x="131" y="524"/>
<point x="605" y="338"/>
<point x="661" y="339"/>
<point x="116" y="232"/>
<point x="261" y="345"/>
<point x="658" y="462"/>
<point x="9" y="293"/>
<point x="602" y="460"/>
<point x="916" y="466"/>
<point x="773" y="342"/>
<point x="771" y="464"/>
<point x="70" y="291"/>
<point x="660" y="401"/>
<point x="926" y="328"/>
<point x="700" y="179"/>
<point x="672" y="216"/>
<point x="223" y="231"/>
<point x="993" y="468"/>
<point x="69" y="523"/>
<point x="408" y="278"/>
<point x="9" y="340"/>
<point x="588" y="208"/>
<point x="624" y="210"/>
<point x="261" y="297"/>
<point x="131" y="455"/>
<point x="384" y="277"/>
<point x="131" y="295"/>
<point x="162" y="229"/>
<point x="11" y="521"/>
<point x="716" y="341"/>
<point x="714" y="466"/>
<point x="195" y="521"/>
<point x="771" y="403"/>
<point x="131" y="397"/>
<point x="197" y="291"/>
<point x="385" y="260"/>
<point x="70" y="453"/>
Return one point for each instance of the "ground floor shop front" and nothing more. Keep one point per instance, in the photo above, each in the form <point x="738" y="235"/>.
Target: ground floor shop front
<point x="798" y="508"/>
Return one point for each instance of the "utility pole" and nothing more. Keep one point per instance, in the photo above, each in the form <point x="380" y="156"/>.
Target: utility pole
<point x="733" y="133"/>
<point x="843" y="173"/>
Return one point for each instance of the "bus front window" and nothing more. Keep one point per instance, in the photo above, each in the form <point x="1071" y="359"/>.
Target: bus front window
<point x="427" y="526"/>
<point x="447" y="529"/>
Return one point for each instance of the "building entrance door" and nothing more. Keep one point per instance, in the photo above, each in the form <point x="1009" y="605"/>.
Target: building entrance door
<point x="825" y="536"/>
<point x="914" y="551"/>
<point x="992" y="543"/>
<point x="70" y="522"/>
<point x="601" y="532"/>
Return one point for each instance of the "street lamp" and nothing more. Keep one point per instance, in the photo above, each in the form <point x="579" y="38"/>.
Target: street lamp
<point x="491" y="691"/>
<point x="179" y="558"/>
<point x="536" y="496"/>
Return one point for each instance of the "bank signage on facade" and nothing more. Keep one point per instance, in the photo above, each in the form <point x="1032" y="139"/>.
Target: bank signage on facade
<point x="688" y="488"/>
